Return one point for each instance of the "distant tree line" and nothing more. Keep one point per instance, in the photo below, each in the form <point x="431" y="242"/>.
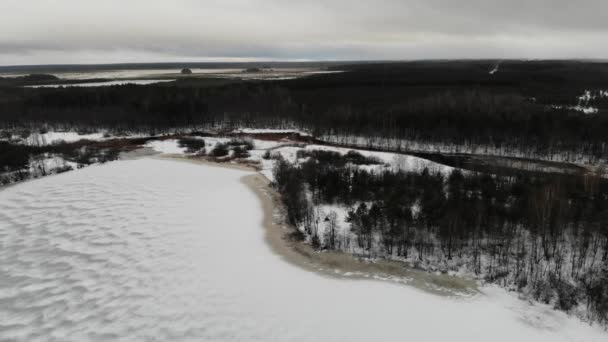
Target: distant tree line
<point x="453" y="103"/>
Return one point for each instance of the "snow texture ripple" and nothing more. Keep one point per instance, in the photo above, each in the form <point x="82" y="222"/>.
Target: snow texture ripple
<point x="155" y="250"/>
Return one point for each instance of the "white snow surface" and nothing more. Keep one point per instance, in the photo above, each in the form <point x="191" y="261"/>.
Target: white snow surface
<point x="495" y="69"/>
<point x="52" y="137"/>
<point x="127" y="74"/>
<point x="211" y="142"/>
<point x="276" y="74"/>
<point x="50" y="164"/>
<point x="37" y="139"/>
<point x="268" y="130"/>
<point x="101" y="84"/>
<point x="579" y="108"/>
<point x="170" y="146"/>
<point x="583" y="102"/>
<point x="393" y="161"/>
<point x="155" y="250"/>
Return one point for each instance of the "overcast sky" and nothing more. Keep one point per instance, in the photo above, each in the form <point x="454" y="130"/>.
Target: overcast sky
<point x="111" y="31"/>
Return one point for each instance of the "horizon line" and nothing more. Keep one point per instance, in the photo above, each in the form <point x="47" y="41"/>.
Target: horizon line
<point x="304" y="61"/>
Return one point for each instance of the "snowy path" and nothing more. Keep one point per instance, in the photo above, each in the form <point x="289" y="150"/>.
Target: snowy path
<point x="156" y="250"/>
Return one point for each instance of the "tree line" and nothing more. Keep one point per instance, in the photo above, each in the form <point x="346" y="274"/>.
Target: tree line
<point x="545" y="235"/>
<point x="456" y="103"/>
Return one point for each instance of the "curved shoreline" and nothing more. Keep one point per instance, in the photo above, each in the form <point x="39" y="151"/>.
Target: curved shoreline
<point x="340" y="264"/>
<point x="331" y="263"/>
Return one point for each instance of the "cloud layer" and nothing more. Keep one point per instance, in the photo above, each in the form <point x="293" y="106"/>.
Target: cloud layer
<point x="77" y="31"/>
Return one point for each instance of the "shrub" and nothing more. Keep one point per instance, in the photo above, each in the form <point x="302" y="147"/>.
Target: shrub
<point x="316" y="243"/>
<point x="543" y="291"/>
<point x="567" y="297"/>
<point x="200" y="134"/>
<point x="338" y="160"/>
<point x="239" y="152"/>
<point x="597" y="295"/>
<point x="63" y="169"/>
<point x="86" y="130"/>
<point x="324" y="157"/>
<point x="192" y="145"/>
<point x="24" y="134"/>
<point x="247" y="144"/>
<point x="6" y="135"/>
<point x="296" y="235"/>
<point x="13" y="157"/>
<point x="220" y="150"/>
<point x="357" y="158"/>
<point x="110" y="154"/>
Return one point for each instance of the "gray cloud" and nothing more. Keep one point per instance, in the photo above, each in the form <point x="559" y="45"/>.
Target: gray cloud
<point x="70" y="31"/>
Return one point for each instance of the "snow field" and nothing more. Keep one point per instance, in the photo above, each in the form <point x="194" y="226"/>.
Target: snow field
<point x="164" y="250"/>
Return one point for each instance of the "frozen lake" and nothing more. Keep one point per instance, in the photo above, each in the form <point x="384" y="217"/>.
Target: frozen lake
<point x="126" y="73"/>
<point x="157" y="250"/>
<point x="101" y="84"/>
<point x="149" y="76"/>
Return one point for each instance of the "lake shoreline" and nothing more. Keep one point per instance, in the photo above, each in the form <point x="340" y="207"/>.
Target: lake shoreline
<point x="278" y="236"/>
<point x="301" y="254"/>
<point x="341" y="264"/>
<point x="336" y="264"/>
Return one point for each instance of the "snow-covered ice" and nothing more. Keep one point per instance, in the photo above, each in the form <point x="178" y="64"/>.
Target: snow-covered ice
<point x="276" y="74"/>
<point x="156" y="250"/>
<point x="126" y="74"/>
<point x="102" y="84"/>
<point x="170" y="146"/>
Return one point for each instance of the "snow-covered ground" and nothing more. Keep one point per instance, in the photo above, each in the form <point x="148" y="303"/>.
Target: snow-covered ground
<point x="53" y="137"/>
<point x="289" y="151"/>
<point x="495" y="69"/>
<point x="155" y="250"/>
<point x="41" y="139"/>
<point x="389" y="161"/>
<point x="49" y="164"/>
<point x="589" y="95"/>
<point x="170" y="146"/>
<point x="394" y="161"/>
<point x="125" y="74"/>
<point x="579" y="108"/>
<point x="584" y="100"/>
<point x="269" y="130"/>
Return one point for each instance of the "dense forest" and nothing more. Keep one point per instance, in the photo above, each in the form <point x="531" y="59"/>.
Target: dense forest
<point x="525" y="106"/>
<point x="543" y="235"/>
